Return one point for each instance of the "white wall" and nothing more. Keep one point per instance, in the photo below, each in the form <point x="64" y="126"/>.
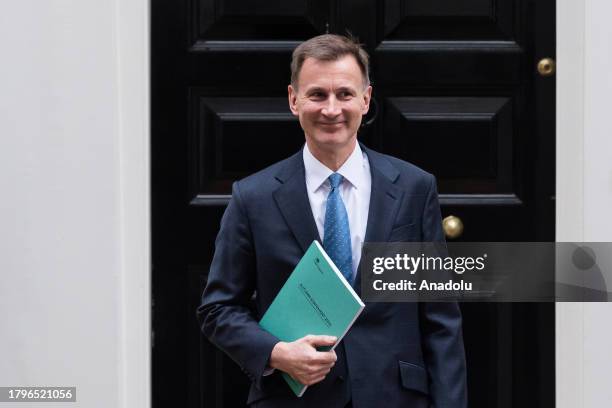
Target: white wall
<point x="584" y="191"/>
<point x="74" y="203"/>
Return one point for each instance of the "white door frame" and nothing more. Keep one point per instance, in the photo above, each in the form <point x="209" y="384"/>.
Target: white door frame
<point x="583" y="192"/>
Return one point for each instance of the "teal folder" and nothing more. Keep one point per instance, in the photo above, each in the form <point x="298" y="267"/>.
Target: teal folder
<point x="316" y="299"/>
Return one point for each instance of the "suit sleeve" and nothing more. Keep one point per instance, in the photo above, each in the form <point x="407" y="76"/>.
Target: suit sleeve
<point x="225" y="314"/>
<point x="440" y="322"/>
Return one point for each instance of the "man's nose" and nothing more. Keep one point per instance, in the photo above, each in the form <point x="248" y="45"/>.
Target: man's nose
<point x="332" y="107"/>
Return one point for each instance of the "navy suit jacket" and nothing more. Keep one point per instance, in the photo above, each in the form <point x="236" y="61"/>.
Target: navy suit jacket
<point x="396" y="354"/>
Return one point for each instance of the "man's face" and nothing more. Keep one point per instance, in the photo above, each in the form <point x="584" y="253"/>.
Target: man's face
<point x="330" y="100"/>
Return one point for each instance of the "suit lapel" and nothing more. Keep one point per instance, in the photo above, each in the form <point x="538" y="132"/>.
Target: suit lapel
<point x="385" y="197"/>
<point x="385" y="200"/>
<point x="292" y="200"/>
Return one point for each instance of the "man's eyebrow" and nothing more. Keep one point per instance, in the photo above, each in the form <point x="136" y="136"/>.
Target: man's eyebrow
<point x="315" y="89"/>
<point x="346" y="89"/>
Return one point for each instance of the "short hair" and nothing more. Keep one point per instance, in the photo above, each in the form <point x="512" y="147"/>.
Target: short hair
<point x="329" y="47"/>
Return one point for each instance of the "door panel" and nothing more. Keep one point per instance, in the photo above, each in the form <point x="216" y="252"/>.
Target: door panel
<point x="227" y="133"/>
<point x="447" y="19"/>
<point x="468" y="141"/>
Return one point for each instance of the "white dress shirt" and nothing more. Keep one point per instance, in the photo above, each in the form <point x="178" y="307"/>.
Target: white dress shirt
<point x="355" y="191"/>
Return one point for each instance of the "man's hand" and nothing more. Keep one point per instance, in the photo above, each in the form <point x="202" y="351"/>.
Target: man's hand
<point x="301" y="360"/>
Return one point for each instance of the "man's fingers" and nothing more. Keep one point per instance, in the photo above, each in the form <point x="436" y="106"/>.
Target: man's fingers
<point x="312" y="374"/>
<point x="320" y="340"/>
<point x="322" y="371"/>
<point x="324" y="358"/>
<point x="313" y="380"/>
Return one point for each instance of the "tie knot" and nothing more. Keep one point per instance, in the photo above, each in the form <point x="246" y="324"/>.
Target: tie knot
<point x="334" y="180"/>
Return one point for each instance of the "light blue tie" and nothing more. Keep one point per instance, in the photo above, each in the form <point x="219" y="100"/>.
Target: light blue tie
<point x="336" y="232"/>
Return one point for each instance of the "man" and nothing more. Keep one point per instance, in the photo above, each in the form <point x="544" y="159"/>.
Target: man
<point x="343" y="194"/>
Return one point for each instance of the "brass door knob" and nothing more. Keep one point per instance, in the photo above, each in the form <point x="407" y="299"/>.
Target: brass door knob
<point x="546" y="66"/>
<point x="453" y="227"/>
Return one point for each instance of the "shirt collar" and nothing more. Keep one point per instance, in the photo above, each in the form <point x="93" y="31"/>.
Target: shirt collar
<point x="317" y="173"/>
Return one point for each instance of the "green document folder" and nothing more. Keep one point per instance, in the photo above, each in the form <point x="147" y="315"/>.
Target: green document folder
<point x="316" y="299"/>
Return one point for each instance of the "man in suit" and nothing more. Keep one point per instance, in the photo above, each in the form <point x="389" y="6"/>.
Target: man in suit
<point x="343" y="194"/>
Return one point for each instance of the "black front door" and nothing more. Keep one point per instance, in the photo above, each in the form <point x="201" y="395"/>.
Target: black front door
<point x="456" y="92"/>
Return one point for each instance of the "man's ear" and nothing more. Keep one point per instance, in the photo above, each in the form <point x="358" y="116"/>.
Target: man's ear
<point x="367" y="97"/>
<point x="292" y="95"/>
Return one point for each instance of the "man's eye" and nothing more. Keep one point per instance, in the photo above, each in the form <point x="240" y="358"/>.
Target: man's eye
<point x="317" y="95"/>
<point x="344" y="95"/>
